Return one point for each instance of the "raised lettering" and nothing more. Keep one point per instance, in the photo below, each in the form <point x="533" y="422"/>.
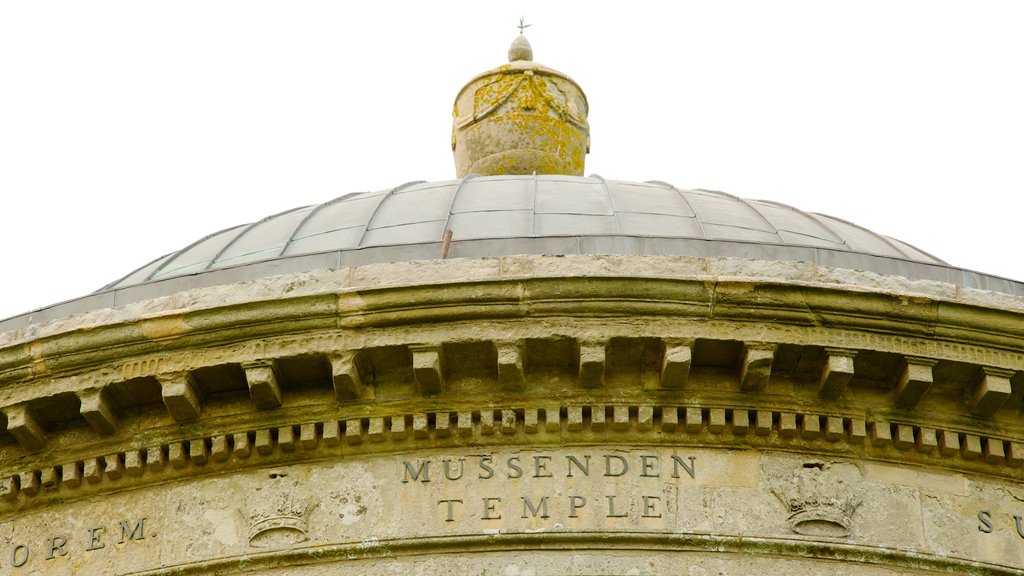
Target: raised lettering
<point x="94" y="539"/>
<point x="647" y="465"/>
<point x="650" y="503"/>
<point x="1020" y="529"/>
<point x="679" y="462"/>
<point x="611" y="508"/>
<point x="608" y="465"/>
<point x="14" y="555"/>
<point x="575" y="503"/>
<point x="447" y="468"/>
<point x="542" y="507"/>
<point x="486" y="467"/>
<point x="540" y="465"/>
<point x="513" y="464"/>
<point x="136" y="532"/>
<point x="583" y="467"/>
<point x="489" y="504"/>
<point x="57" y="544"/>
<point x="414" y="473"/>
<point x="451" y="508"/>
<point x="985" y="517"/>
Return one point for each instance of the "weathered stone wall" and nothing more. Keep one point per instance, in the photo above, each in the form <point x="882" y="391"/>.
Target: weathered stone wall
<point x="715" y="413"/>
<point x="518" y="504"/>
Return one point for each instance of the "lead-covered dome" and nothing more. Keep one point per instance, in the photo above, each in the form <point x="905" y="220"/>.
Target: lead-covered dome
<point x="490" y="216"/>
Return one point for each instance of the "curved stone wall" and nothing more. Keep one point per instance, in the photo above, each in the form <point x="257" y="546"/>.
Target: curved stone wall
<point x="521" y="415"/>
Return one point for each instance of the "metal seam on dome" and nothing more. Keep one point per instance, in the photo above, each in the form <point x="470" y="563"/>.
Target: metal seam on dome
<point x="871" y="233"/>
<point x="111" y="285"/>
<point x="533" y="223"/>
<point x="175" y="255"/>
<point x="611" y="205"/>
<point x="312" y="212"/>
<point x="455" y="197"/>
<point x="248" y="229"/>
<point x="376" y="209"/>
<point x="696" y="217"/>
<point x="837" y="238"/>
<point x="925" y="252"/>
<point x="761" y="216"/>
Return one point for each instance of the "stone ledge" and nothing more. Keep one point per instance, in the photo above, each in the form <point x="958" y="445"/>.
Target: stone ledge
<point x="554" y="424"/>
<point x="596" y="541"/>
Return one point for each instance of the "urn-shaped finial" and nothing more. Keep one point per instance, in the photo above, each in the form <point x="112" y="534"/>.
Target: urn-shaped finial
<point x="520" y="118"/>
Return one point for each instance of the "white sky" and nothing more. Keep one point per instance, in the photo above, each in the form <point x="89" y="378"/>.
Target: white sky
<point x="130" y="129"/>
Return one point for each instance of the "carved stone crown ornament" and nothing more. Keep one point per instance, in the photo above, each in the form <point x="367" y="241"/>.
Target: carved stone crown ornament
<point x="277" y="518"/>
<point x="820" y="503"/>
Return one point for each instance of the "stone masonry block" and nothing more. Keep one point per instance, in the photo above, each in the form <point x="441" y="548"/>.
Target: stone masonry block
<point x="913" y="381"/>
<point x="22" y="424"/>
<point x="597" y="418"/>
<point x="1014" y="454"/>
<point x="286" y="439"/>
<point x="880" y="433"/>
<point x="348" y="383"/>
<point x="375" y="431"/>
<point x="949" y="442"/>
<point x="156" y="460"/>
<point x="134" y="462"/>
<point x="904" y="437"/>
<point x="219" y="448"/>
<point x="308" y="436"/>
<point x="763" y="423"/>
<point x="645" y="418"/>
<point x="427" y="368"/>
<point x="114" y="466"/>
<point x="71" y="474"/>
<point x="181" y="396"/>
<point x="694" y="420"/>
<point x="675" y="366"/>
<point x="834" y="428"/>
<point x="98" y="411"/>
<point x="716" y="420"/>
<point x="836" y="373"/>
<point x="669" y="418"/>
<point x="354" y="431"/>
<point x="990" y="391"/>
<point x="756" y="366"/>
<point x="970" y="446"/>
<point x="787" y="425"/>
<point x="927" y="440"/>
<point x="29" y="482"/>
<point x="511" y="359"/>
<point x="241" y="445"/>
<point x="810" y="427"/>
<point x="592" y="364"/>
<point x="264" y="384"/>
<point x="993" y="451"/>
<point x="740" y="421"/>
<point x="620" y="418"/>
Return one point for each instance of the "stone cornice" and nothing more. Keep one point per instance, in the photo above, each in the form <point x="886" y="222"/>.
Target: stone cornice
<point x="73" y="345"/>
<point x="928" y="376"/>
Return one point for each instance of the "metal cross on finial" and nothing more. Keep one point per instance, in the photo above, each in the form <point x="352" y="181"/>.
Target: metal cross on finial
<point x="523" y="26"/>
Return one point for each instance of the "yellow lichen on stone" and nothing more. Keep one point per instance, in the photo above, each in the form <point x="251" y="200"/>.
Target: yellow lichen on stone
<point x="521" y="118"/>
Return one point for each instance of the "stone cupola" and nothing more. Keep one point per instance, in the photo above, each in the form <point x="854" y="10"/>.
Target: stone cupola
<point x="520" y="118"/>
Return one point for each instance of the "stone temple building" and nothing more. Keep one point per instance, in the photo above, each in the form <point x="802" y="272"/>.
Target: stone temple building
<point x="523" y="370"/>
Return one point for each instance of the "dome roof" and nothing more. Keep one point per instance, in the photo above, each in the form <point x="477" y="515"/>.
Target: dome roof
<point x="483" y="216"/>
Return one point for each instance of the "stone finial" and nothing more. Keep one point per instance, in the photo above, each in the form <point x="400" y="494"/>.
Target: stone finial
<point x="520" y="118"/>
<point x="520" y="49"/>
